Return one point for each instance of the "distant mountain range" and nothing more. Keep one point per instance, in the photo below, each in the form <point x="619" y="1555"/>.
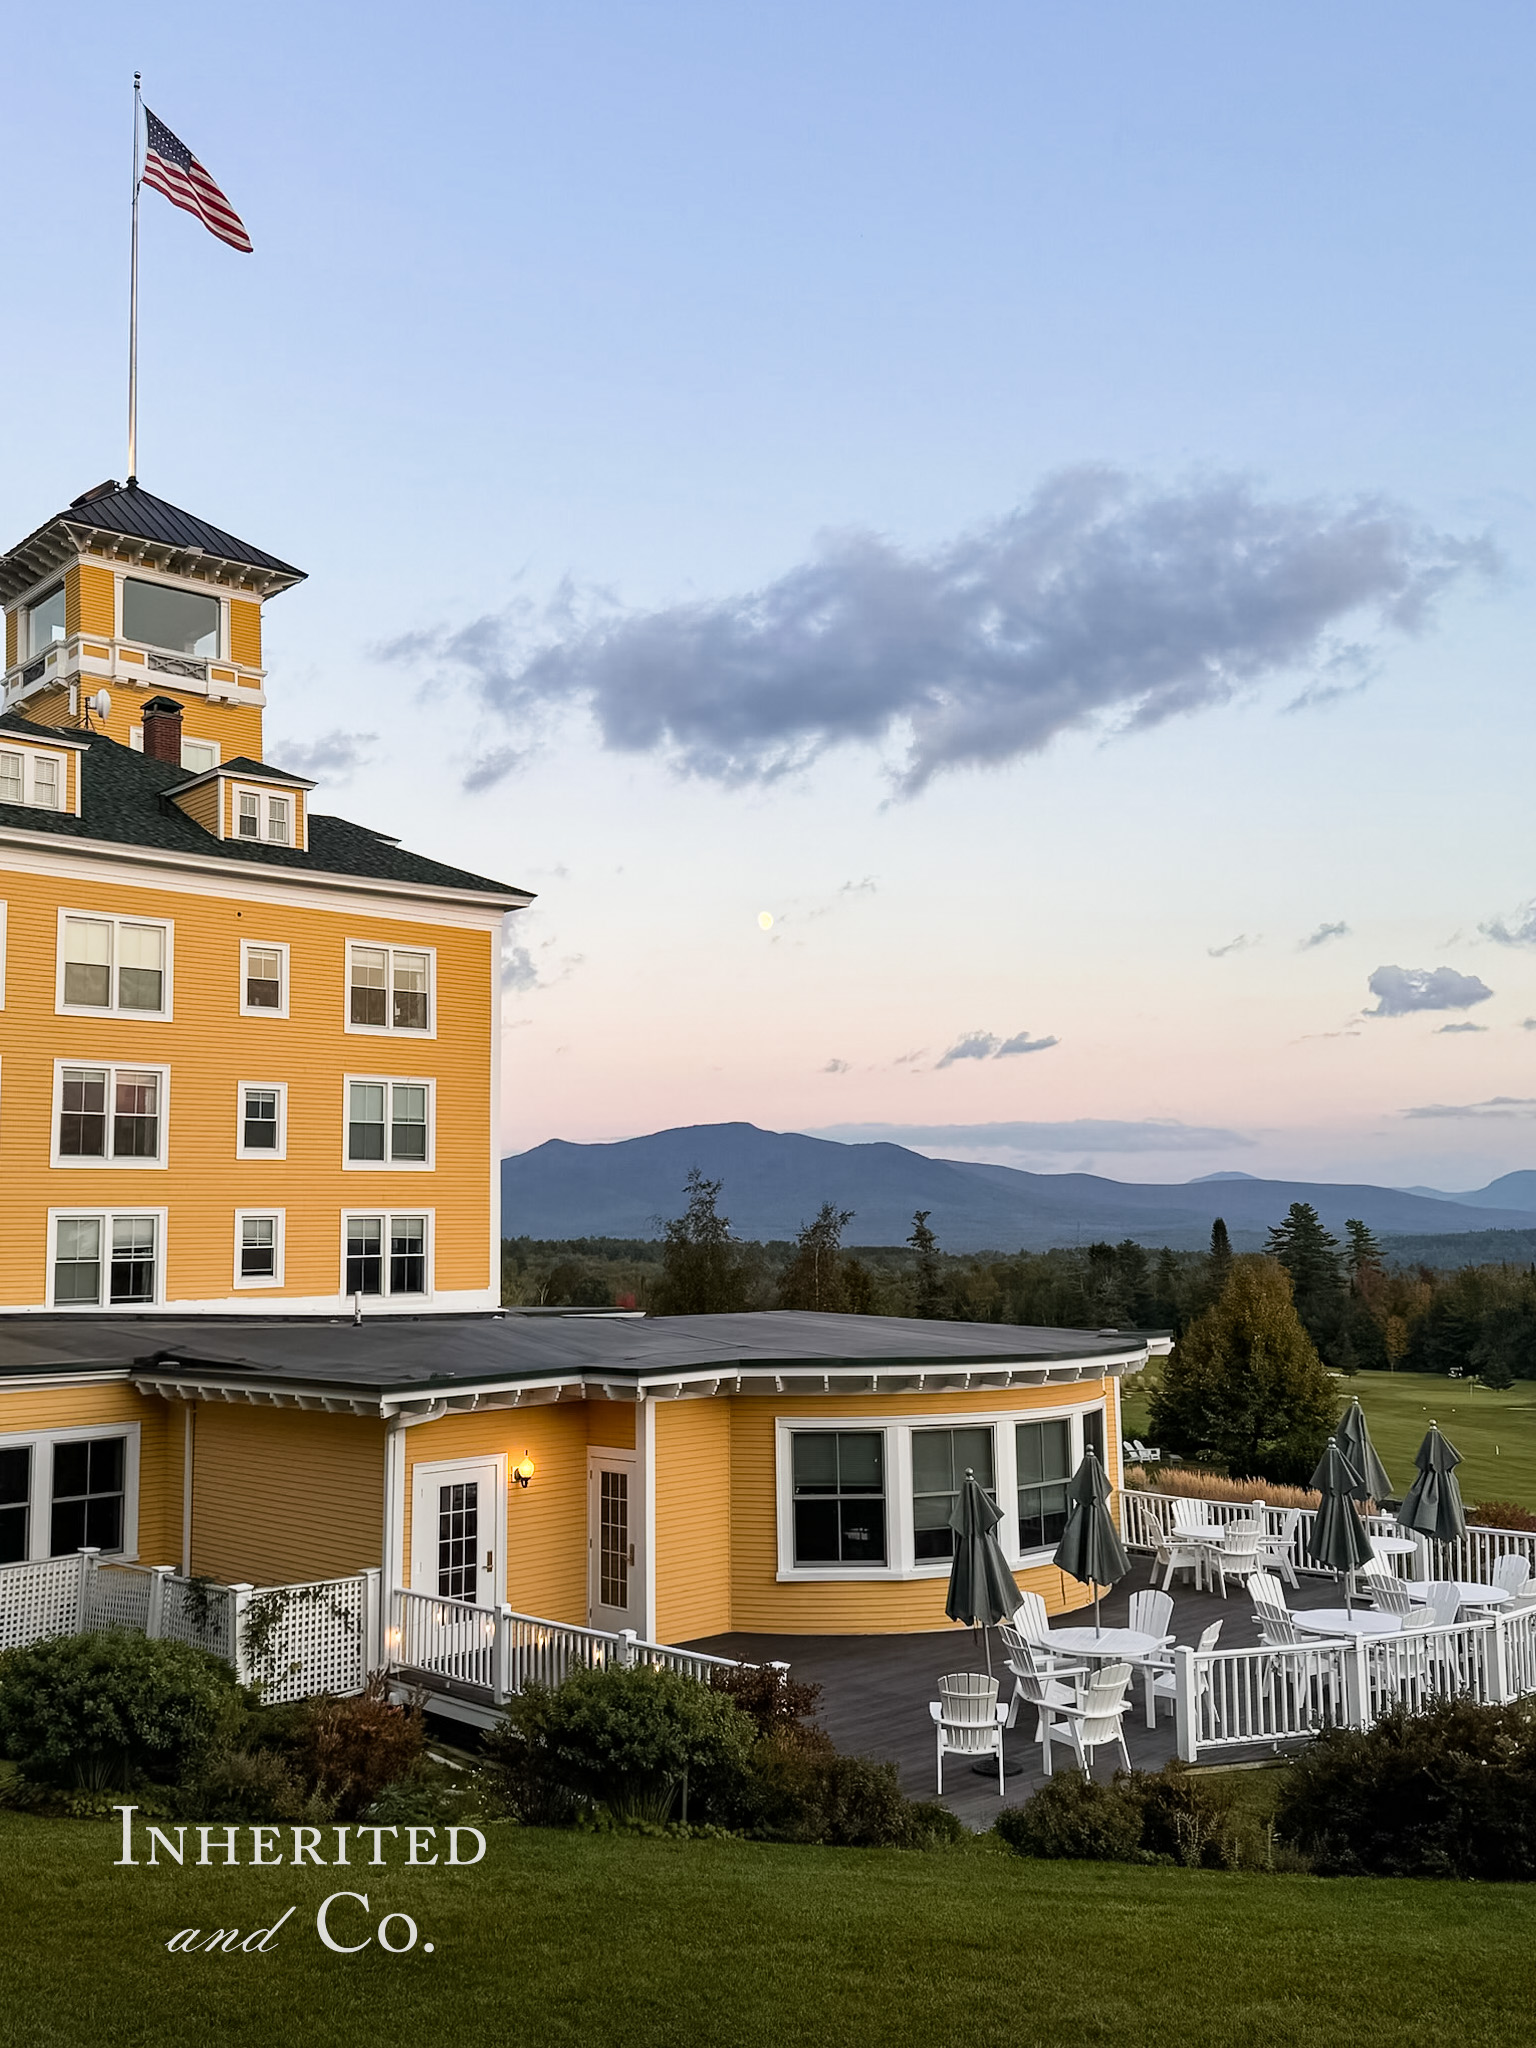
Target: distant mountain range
<point x="774" y="1181"/>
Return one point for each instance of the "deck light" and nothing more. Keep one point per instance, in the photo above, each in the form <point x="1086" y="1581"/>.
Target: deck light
<point x="524" y="1472"/>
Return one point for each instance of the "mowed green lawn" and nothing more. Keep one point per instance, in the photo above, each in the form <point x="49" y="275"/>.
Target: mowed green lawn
<point x="563" y="1938"/>
<point x="1495" y="1433"/>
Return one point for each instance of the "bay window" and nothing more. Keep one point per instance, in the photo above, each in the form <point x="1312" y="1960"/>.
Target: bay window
<point x="839" y="1496"/>
<point x="62" y="1490"/>
<point x="1044" y="1460"/>
<point x="940" y="1460"/>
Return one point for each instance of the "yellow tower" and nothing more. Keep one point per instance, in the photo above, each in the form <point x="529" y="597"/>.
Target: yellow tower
<point x="127" y="594"/>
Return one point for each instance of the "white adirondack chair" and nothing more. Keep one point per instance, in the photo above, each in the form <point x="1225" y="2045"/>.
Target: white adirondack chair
<point x="1236" y="1557"/>
<point x="1093" y="1719"/>
<point x="1176" y="1552"/>
<point x="1163" y="1683"/>
<point x="969" y="1721"/>
<point x="1275" y="1544"/>
<point x="1030" y="1617"/>
<point x="1513" y="1573"/>
<point x="1041" y="1684"/>
<point x="1388" y="1593"/>
<point x="1150" y="1614"/>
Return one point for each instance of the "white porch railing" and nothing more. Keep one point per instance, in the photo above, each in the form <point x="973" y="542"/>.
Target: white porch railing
<point x="493" y="1652"/>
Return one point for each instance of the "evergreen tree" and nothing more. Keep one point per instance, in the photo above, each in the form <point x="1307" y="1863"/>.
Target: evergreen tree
<point x="1245" y="1387"/>
<point x="1310" y="1254"/>
<point x="703" y="1270"/>
<point x="928" y="1292"/>
<point x="1364" y="1254"/>
<point x="814" y="1277"/>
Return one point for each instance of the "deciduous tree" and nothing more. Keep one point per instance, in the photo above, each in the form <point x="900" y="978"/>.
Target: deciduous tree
<point x="814" y="1278"/>
<point x="703" y="1270"/>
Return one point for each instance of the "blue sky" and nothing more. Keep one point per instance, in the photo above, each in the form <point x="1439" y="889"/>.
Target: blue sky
<point x="650" y="392"/>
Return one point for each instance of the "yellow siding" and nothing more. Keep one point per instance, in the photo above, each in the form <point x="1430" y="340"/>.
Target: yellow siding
<point x="693" y="1519"/>
<point x="202" y="805"/>
<point x="244" y="633"/>
<point x="160" y="1459"/>
<point x="611" y="1424"/>
<point x="279" y="1496"/>
<point x="90" y="600"/>
<point x="12" y="638"/>
<point x="845" y="1607"/>
<point x="546" y="1540"/>
<point x="209" y="1046"/>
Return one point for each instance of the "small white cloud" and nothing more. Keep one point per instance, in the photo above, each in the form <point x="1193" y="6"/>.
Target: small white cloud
<point x="1238" y="945"/>
<point x="1322" y="935"/>
<point x="1022" y="1042"/>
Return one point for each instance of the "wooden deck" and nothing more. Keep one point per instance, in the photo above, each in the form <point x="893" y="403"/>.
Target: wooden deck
<point x="876" y="1689"/>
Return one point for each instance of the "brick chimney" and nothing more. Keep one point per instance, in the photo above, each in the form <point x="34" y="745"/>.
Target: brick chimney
<point x="162" y="730"/>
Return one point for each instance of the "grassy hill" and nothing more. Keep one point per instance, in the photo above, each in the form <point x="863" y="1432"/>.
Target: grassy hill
<point x="566" y="1939"/>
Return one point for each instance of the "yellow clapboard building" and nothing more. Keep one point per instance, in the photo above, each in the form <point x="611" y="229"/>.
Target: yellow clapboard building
<point x="250" y="1321"/>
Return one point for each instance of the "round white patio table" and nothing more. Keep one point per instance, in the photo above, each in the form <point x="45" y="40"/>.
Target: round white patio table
<point x="1346" y="1621"/>
<point x="1392" y="1546"/>
<point x="1130" y="1643"/>
<point x="1472" y="1592"/>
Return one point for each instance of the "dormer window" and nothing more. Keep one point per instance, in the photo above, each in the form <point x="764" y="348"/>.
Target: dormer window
<point x="181" y="621"/>
<point x="27" y="778"/>
<point x="45" y="620"/>
<point x="260" y="815"/>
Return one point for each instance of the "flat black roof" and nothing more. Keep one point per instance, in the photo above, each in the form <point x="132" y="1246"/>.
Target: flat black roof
<point x="390" y="1356"/>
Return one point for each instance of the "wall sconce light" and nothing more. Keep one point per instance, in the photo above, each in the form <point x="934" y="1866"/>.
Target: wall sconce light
<point x="524" y="1472"/>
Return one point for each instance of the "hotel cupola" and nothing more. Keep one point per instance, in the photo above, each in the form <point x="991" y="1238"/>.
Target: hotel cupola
<point x="127" y="594"/>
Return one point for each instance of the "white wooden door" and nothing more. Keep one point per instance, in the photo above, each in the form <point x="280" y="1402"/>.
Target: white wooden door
<point x="458" y="1523"/>
<point x="613" y="1540"/>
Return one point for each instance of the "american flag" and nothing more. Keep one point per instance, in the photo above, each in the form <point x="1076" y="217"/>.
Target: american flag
<point x="172" y="169"/>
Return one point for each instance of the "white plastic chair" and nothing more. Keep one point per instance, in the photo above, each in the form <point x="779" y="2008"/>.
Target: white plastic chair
<point x="1443" y="1606"/>
<point x="1162" y="1683"/>
<point x="1150" y="1614"/>
<point x="1388" y="1593"/>
<point x="1236" y="1556"/>
<point x="1178" y="1553"/>
<point x="1042" y="1684"/>
<point x="1275" y="1545"/>
<point x="1035" y="1653"/>
<point x="1513" y="1573"/>
<point x="968" y="1721"/>
<point x="1030" y="1617"/>
<point x="1188" y="1514"/>
<point x="1092" y="1719"/>
<point x="1266" y="1591"/>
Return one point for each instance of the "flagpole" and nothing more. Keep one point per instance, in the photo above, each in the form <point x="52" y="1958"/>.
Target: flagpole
<point x="133" y="304"/>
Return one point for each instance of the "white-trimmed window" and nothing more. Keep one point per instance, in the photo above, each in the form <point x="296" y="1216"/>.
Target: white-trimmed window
<point x="4" y="910"/>
<point x="264" y="815"/>
<point x="109" y="1115"/>
<point x="36" y="780"/>
<point x="259" y="1247"/>
<point x="46" y="620"/>
<point x="389" y="1122"/>
<point x="872" y="1498"/>
<point x="114" y="966"/>
<point x="61" y="1489"/>
<point x="111" y="1258"/>
<point x="384" y="1256"/>
<point x="197" y="756"/>
<point x="263" y="978"/>
<point x="168" y="615"/>
<point x="390" y="988"/>
<point x="263" y="1120"/>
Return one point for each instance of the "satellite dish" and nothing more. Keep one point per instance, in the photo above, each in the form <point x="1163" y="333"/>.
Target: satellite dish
<point x="101" y="704"/>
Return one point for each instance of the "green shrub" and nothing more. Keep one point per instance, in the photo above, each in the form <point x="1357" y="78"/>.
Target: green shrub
<point x="1074" y="1816"/>
<point x="774" y="1701"/>
<point x="636" y="1740"/>
<point x="93" y="1711"/>
<point x="801" y="1790"/>
<point x="230" y="1784"/>
<point x="1447" y="1793"/>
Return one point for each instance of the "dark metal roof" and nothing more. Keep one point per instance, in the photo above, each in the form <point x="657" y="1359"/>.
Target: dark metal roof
<point x="393" y="1357"/>
<point x="125" y="802"/>
<point x="127" y="512"/>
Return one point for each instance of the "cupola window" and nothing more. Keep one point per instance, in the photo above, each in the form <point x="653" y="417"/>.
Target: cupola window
<point x="45" y="621"/>
<point x="181" y="621"/>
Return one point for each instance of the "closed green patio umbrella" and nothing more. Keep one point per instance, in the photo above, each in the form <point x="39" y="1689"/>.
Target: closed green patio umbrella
<point x="1432" y="1505"/>
<point x="1354" y="1440"/>
<point x="1090" y="1549"/>
<point x="982" y="1590"/>
<point x="1337" y="1537"/>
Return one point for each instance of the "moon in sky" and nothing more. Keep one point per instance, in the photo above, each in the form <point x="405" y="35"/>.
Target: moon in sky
<point x="765" y="919"/>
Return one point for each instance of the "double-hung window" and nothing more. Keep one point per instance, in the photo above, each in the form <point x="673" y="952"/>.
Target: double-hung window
<point x="261" y="815"/>
<point x="1044" y="1456"/>
<point x="263" y="1132"/>
<point x="839" y="1496"/>
<point x="107" y="1260"/>
<point x="114" y="965"/>
<point x="389" y="1123"/>
<point x="263" y="980"/>
<point x="15" y="1501"/>
<point x="35" y="779"/>
<point x="110" y="1114"/>
<point x="88" y="1494"/>
<point x="389" y="988"/>
<point x="61" y="1490"/>
<point x="387" y="1255"/>
<point x="259" y="1248"/>
<point x="940" y="1460"/>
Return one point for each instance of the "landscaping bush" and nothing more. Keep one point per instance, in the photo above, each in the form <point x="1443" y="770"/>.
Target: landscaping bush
<point x="775" y="1702"/>
<point x="636" y="1741"/>
<point x="97" y="1711"/>
<point x="347" y="1751"/>
<point x="1502" y="1514"/>
<point x="1074" y="1816"/>
<point x="804" y="1791"/>
<point x="244" y="1785"/>
<point x="1174" y="1815"/>
<point x="1447" y="1793"/>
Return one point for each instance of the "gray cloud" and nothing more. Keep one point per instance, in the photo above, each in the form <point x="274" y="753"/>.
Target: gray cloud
<point x="835" y="1067"/>
<point x="1496" y="1109"/>
<point x="1103" y="601"/>
<point x="333" y="756"/>
<point x="1451" y="1030"/>
<point x="1081" y="1134"/>
<point x="1401" y="991"/>
<point x="1238" y="945"/>
<point x="489" y="769"/>
<point x="1322" y="935"/>
<point x="985" y="1045"/>
<point x="1522" y="933"/>
<point x="518" y="969"/>
<point x="1528" y="1023"/>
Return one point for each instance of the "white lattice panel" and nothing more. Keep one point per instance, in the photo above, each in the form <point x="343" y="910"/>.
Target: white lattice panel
<point x="117" y="1596"/>
<point x="177" y="1622"/>
<point x="39" y="1600"/>
<point x="316" y="1644"/>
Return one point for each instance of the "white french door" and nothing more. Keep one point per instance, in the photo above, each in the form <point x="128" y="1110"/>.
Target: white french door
<point x="458" y="1526"/>
<point x="615" y="1596"/>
